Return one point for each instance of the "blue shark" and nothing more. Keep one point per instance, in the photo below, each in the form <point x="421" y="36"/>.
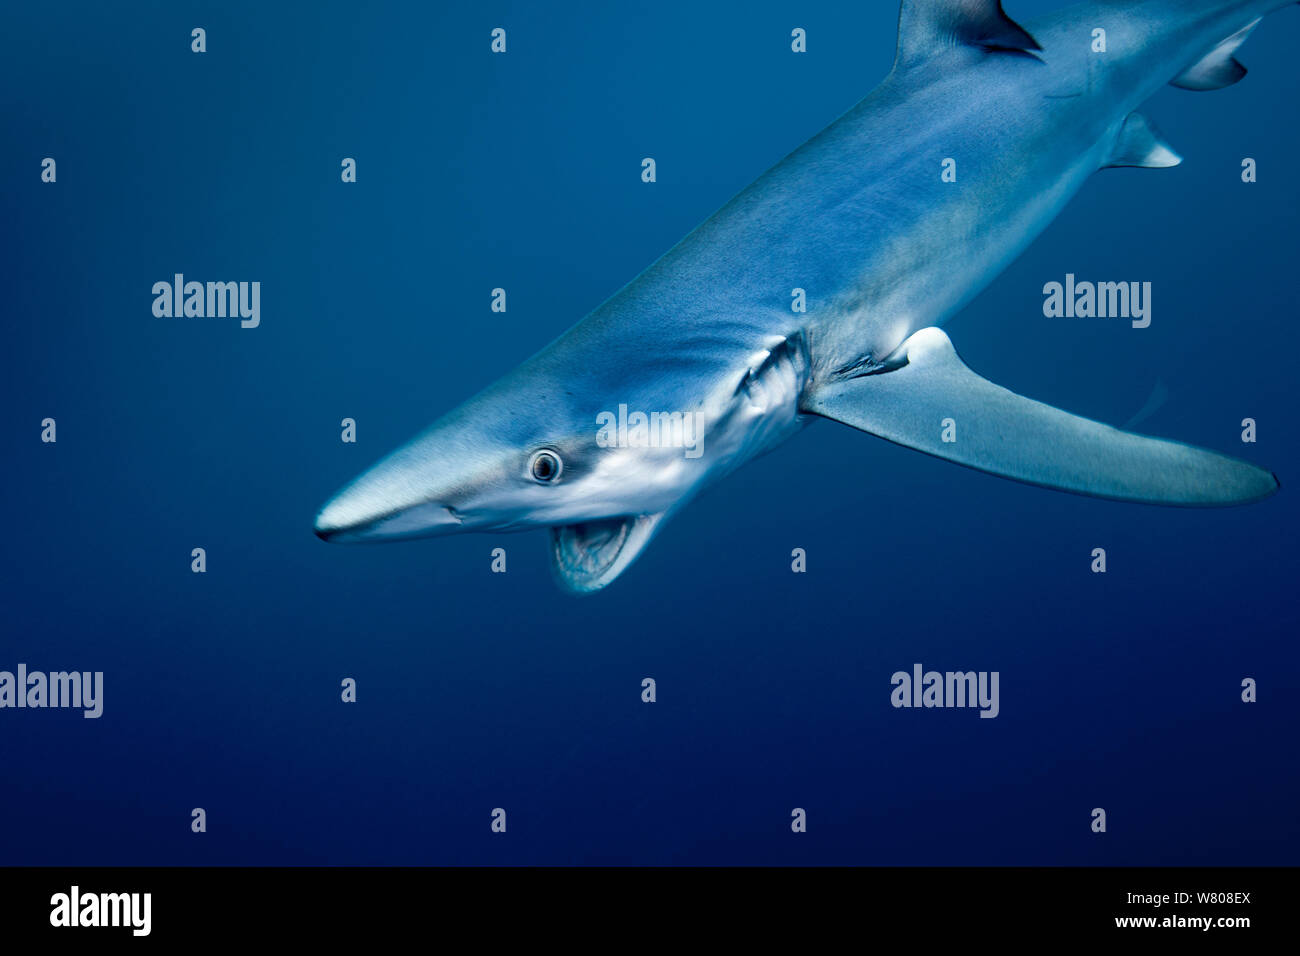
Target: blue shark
<point x="701" y="363"/>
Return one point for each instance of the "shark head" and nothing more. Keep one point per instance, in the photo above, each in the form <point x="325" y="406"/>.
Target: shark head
<point x="529" y="453"/>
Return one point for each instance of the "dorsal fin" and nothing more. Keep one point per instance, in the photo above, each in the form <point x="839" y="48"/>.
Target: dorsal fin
<point x="927" y="27"/>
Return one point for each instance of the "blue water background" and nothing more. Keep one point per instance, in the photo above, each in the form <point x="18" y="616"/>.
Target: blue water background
<point x="479" y="690"/>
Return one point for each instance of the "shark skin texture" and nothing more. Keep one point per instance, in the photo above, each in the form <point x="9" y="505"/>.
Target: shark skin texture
<point x="704" y="346"/>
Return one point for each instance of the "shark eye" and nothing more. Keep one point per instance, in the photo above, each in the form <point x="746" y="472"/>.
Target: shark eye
<point x="545" y="466"/>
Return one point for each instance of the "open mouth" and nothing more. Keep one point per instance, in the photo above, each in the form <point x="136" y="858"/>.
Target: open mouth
<point x="587" y="556"/>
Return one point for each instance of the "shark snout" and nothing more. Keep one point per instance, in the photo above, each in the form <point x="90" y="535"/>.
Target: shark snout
<point x="391" y="500"/>
<point x="342" y="520"/>
<point x="444" y="481"/>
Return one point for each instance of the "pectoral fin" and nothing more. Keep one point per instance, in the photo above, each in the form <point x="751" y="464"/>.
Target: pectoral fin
<point x="929" y="395"/>
<point x="1218" y="68"/>
<point x="1140" y="144"/>
<point x="586" y="557"/>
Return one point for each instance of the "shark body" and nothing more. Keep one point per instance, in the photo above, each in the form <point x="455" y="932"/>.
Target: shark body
<point x="886" y="249"/>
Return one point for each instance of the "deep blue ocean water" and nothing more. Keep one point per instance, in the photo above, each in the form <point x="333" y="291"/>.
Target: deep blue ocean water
<point x="479" y="690"/>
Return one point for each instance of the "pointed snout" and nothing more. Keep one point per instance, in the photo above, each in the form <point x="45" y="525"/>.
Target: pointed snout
<point x="400" y="497"/>
<point x="460" y="474"/>
<point x="349" y="518"/>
